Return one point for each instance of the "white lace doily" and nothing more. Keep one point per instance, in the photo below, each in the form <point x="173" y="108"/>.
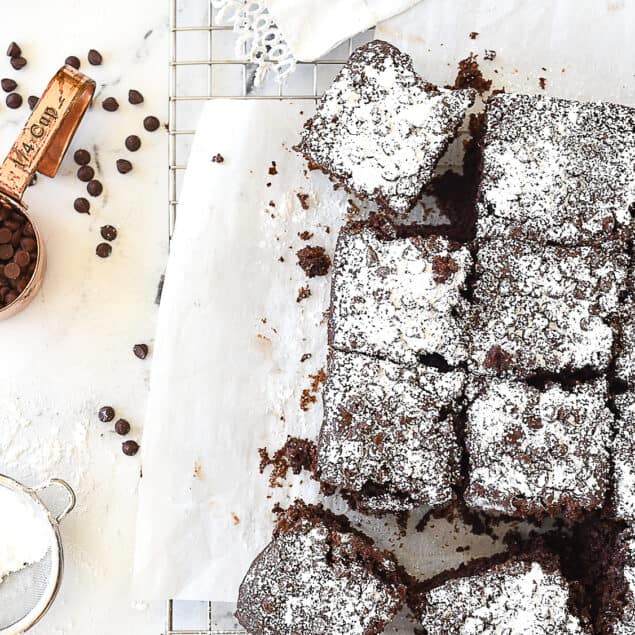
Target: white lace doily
<point x="259" y="37"/>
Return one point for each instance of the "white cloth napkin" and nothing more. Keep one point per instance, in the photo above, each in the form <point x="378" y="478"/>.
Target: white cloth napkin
<point x="311" y="28"/>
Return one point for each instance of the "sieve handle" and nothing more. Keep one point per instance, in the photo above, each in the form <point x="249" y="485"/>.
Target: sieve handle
<point x="72" y="498"/>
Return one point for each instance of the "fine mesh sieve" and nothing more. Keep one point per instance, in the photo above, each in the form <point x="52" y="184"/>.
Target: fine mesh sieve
<point x="26" y="594"/>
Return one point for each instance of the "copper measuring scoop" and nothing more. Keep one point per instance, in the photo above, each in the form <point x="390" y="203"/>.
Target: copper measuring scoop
<point x="40" y="147"/>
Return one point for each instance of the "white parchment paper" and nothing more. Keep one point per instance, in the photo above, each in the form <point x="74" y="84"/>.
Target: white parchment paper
<point x="227" y="375"/>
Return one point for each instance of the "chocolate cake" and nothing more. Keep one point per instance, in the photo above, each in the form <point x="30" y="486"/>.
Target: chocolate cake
<point x="556" y="171"/>
<point x="319" y="576"/>
<point x="388" y="439"/>
<point x="399" y="299"/>
<point x="625" y="332"/>
<point x="380" y="129"/>
<point x="543" y="308"/>
<point x="521" y="595"/>
<point x="624" y="459"/>
<point x="536" y="453"/>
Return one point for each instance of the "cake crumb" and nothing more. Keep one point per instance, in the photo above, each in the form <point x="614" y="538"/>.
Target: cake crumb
<point x="303" y="293"/>
<point x="304" y="200"/>
<point x="543" y="82"/>
<point x="218" y="158"/>
<point x="470" y="76"/>
<point x="295" y="455"/>
<point x="198" y="470"/>
<point x="305" y="235"/>
<point x="473" y="35"/>
<point x="490" y="55"/>
<point x="314" y="261"/>
<point x="305" y="357"/>
<point x="235" y="518"/>
<point x="273" y="170"/>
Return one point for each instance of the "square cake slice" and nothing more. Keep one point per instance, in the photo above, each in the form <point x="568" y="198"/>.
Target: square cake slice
<point x="380" y="129"/>
<point x="400" y="299"/>
<point x="556" y="170"/>
<point x="539" y="308"/>
<point x="536" y="453"/>
<point x="624" y="458"/>
<point x="518" y="595"/>
<point x="318" y="576"/>
<point x="388" y="436"/>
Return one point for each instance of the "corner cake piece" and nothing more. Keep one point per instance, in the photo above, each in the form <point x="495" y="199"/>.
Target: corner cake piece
<point x="540" y="308"/>
<point x="399" y="299"/>
<point x="536" y="453"/>
<point x="624" y="459"/>
<point x="556" y="170"/>
<point x="388" y="438"/>
<point x="317" y="576"/>
<point x="380" y="129"/>
<point x="521" y="595"/>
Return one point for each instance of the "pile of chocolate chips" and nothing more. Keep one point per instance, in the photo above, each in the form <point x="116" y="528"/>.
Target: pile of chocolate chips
<point x="18" y="254"/>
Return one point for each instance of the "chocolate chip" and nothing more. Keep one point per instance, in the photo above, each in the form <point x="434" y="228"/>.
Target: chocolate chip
<point x="130" y="448"/>
<point x="6" y="251"/>
<point x="94" y="188"/>
<point x="108" y="232"/>
<point x="94" y="57"/>
<point x="106" y="414"/>
<point x="82" y="157"/>
<point x="85" y="173"/>
<point x="14" y="100"/>
<point x="133" y="143"/>
<point x="103" y="250"/>
<point x="73" y="61"/>
<point x="135" y="97"/>
<point x="122" y="427"/>
<point x="110" y="104"/>
<point x="22" y="259"/>
<point x="14" y="50"/>
<point x="124" y="166"/>
<point x="140" y="350"/>
<point x="12" y="271"/>
<point x="5" y="235"/>
<point x="82" y="205"/>
<point x="151" y="123"/>
<point x="18" y="63"/>
<point x="8" y="85"/>
<point x="32" y="100"/>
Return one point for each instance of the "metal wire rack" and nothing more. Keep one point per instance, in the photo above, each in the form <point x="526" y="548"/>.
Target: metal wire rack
<point x="204" y="65"/>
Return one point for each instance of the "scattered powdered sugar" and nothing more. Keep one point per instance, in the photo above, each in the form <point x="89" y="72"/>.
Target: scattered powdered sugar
<point x="556" y="170"/>
<point x="380" y="129"/>
<point x="624" y="458"/>
<point x="547" y="307"/>
<point x="400" y="298"/>
<point x="625" y="362"/>
<point x="25" y="532"/>
<point x="517" y="598"/>
<point x="388" y="426"/>
<point x="537" y="452"/>
<point x="309" y="580"/>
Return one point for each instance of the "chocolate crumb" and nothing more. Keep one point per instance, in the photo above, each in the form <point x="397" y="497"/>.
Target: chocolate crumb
<point x="273" y="170"/>
<point x="295" y="455"/>
<point x="542" y="81"/>
<point x="308" y="396"/>
<point x="473" y="35"/>
<point x="470" y="76"/>
<point x="305" y="357"/>
<point x="443" y="268"/>
<point x="497" y="359"/>
<point x="235" y="518"/>
<point x="303" y="293"/>
<point x="490" y="55"/>
<point x="314" y="261"/>
<point x="304" y="200"/>
<point x="218" y="158"/>
<point x="305" y="235"/>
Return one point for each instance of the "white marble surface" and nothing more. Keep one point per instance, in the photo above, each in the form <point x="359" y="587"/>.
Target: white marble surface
<point x="71" y="351"/>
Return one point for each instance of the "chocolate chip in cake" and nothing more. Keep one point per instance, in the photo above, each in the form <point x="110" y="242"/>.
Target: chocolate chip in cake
<point x="110" y="104"/>
<point x="135" y="97"/>
<point x="81" y="157"/>
<point x="140" y="350"/>
<point x="32" y="100"/>
<point x="129" y="448"/>
<point x="123" y="166"/>
<point x="122" y="427"/>
<point x="95" y="188"/>
<point x="18" y="63"/>
<point x="108" y="232"/>
<point x="82" y="205"/>
<point x="14" y="100"/>
<point x="85" y="173"/>
<point x="151" y="123"/>
<point x="133" y="143"/>
<point x="94" y="57"/>
<point x="103" y="250"/>
<point x="73" y="61"/>
<point x="8" y="85"/>
<point x="314" y="261"/>
<point x="106" y="414"/>
<point x="14" y="50"/>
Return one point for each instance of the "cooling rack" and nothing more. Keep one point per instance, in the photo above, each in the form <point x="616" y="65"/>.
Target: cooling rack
<point x="205" y="65"/>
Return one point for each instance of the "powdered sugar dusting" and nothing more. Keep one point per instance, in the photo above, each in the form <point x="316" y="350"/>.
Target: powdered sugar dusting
<point x="388" y="426"/>
<point x="389" y="300"/>
<point x="624" y="458"/>
<point x="546" y="306"/>
<point x="515" y="599"/>
<point x="556" y="170"/>
<point x="537" y="452"/>
<point x="380" y="129"/>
